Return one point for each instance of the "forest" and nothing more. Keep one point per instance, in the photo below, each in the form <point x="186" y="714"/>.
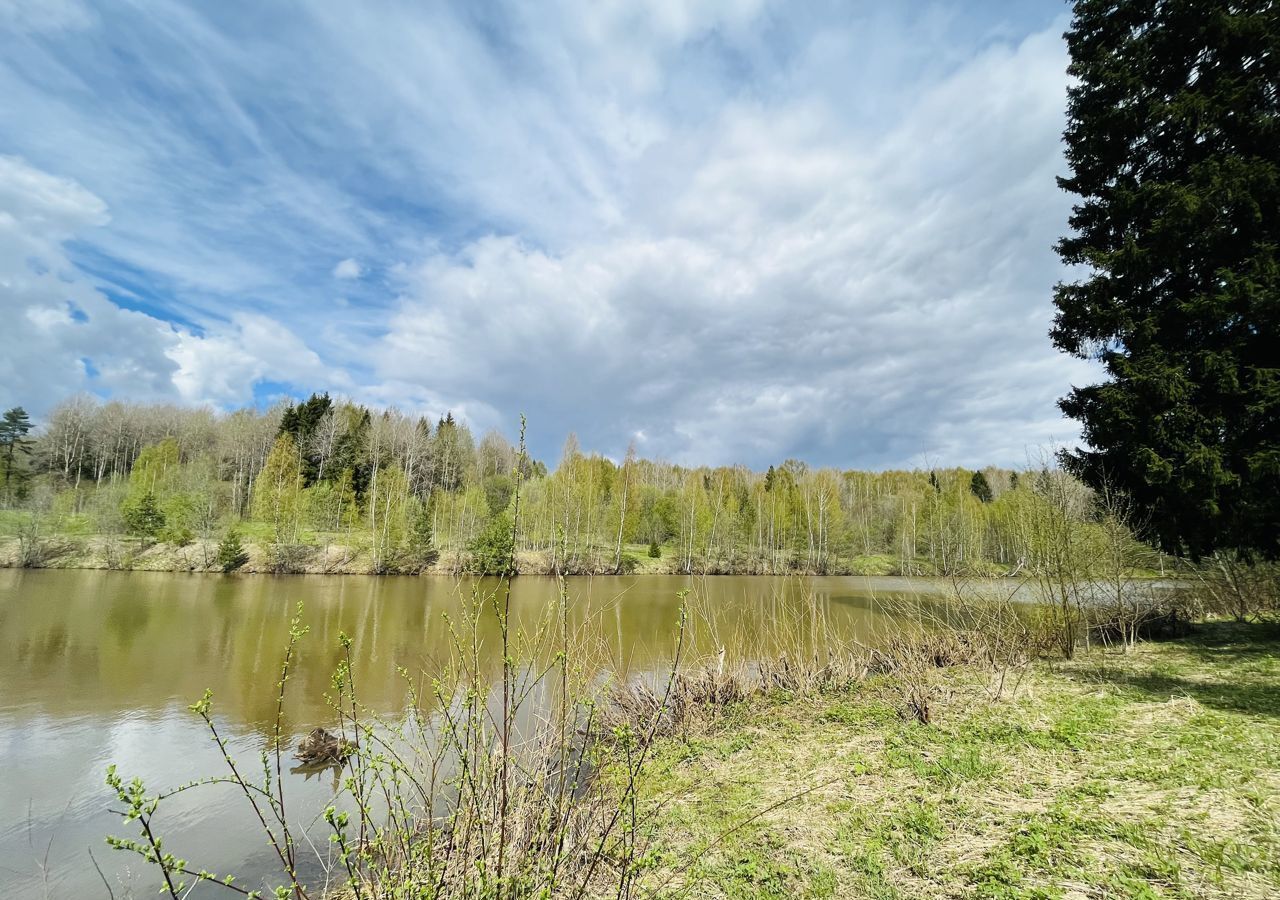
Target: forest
<point x="332" y="486"/>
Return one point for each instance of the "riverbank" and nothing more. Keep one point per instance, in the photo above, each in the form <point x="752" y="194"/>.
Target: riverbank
<point x="75" y="551"/>
<point x="62" y="551"/>
<point x="1152" y="773"/>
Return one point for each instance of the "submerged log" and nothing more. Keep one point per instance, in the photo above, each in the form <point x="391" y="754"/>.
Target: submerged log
<point x="322" y="748"/>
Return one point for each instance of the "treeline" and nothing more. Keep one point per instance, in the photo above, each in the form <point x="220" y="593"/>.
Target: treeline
<point x="411" y="494"/>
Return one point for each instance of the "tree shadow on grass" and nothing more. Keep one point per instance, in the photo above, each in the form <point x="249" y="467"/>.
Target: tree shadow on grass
<point x="1255" y="636"/>
<point x="1225" y="674"/>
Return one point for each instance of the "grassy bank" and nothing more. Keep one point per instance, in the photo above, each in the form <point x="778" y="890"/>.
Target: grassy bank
<point x="1154" y="773"/>
<point x="943" y="762"/>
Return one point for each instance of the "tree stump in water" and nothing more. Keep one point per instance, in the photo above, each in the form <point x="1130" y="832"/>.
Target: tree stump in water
<point x="322" y="748"/>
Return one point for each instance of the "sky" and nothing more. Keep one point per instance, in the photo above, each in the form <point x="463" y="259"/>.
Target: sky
<point x="732" y="231"/>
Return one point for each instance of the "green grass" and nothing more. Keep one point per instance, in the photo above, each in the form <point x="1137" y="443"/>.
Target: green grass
<point x="1149" y="774"/>
<point x="11" y="520"/>
<point x="875" y="564"/>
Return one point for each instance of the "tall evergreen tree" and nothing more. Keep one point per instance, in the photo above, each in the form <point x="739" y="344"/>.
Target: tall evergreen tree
<point x="300" y="422"/>
<point x="351" y="451"/>
<point x="14" y="427"/>
<point x="422" y="539"/>
<point x="1173" y="139"/>
<point x="980" y="487"/>
<point x="143" y="516"/>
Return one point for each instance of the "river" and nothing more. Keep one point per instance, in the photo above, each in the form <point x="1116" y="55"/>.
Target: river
<point x="100" y="667"/>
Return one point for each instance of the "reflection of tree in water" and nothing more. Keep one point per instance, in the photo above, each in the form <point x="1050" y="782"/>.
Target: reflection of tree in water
<point x="127" y="619"/>
<point x="106" y="642"/>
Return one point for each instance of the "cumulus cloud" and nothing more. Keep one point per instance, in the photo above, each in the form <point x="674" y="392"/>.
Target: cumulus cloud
<point x="803" y="290"/>
<point x="741" y="230"/>
<point x="219" y="368"/>
<point x="63" y="335"/>
<point x="347" y="269"/>
<point x="54" y="320"/>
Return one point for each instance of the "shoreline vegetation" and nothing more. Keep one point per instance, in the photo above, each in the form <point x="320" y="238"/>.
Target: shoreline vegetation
<point x="327" y="486"/>
<point x="1110" y="739"/>
<point x="981" y="751"/>
<point x="96" y="552"/>
<point x="985" y="748"/>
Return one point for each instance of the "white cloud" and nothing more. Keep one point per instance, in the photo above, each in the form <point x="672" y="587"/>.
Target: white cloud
<point x="803" y="290"/>
<point x="743" y="230"/>
<point x="347" y="269"/>
<point x="51" y="209"/>
<point x="220" y="368"/>
<point x="62" y="335"/>
<point x="53" y="318"/>
<point x="43" y="15"/>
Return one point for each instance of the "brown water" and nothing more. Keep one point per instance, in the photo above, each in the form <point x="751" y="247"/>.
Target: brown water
<point x="99" y="668"/>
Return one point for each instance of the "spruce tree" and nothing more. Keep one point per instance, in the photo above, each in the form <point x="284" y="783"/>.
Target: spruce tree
<point x="143" y="516"/>
<point x="493" y="550"/>
<point x="1173" y="140"/>
<point x="14" y="445"/>
<point x="980" y="488"/>
<point x="300" y="422"/>
<point x="231" y="552"/>
<point x="422" y="540"/>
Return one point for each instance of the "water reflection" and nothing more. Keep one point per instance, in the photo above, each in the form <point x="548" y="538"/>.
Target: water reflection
<point x="99" y="667"/>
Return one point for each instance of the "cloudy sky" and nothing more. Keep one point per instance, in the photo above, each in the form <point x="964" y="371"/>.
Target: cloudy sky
<point x="731" y="231"/>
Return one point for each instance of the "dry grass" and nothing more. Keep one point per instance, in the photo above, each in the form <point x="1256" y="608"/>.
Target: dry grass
<point x="1105" y="777"/>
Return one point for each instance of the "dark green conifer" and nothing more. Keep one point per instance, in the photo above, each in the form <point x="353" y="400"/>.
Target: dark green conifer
<point x="143" y="516"/>
<point x="1173" y="140"/>
<point x="14" y="446"/>
<point x="422" y="539"/>
<point x="980" y="488"/>
<point x="492" y="552"/>
<point x="231" y="552"/>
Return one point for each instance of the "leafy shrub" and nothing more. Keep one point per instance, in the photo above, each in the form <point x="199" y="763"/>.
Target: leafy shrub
<point x="655" y="552"/>
<point x="177" y="534"/>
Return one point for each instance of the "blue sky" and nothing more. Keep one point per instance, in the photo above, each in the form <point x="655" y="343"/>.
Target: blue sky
<point x="726" y="231"/>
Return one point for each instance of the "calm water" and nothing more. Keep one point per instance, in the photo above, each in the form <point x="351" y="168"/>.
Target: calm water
<point x="99" y="668"/>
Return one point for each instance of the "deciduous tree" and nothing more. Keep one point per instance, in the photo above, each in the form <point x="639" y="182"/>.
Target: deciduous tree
<point x="277" y="491"/>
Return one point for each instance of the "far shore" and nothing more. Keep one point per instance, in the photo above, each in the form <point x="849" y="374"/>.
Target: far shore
<point x="128" y="554"/>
